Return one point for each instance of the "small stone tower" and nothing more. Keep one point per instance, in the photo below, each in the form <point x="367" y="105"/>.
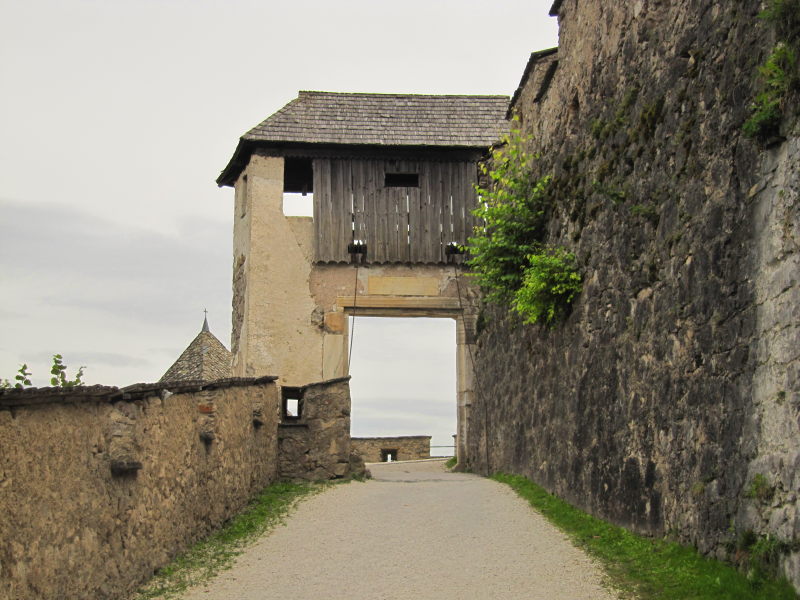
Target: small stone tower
<point x="205" y="359"/>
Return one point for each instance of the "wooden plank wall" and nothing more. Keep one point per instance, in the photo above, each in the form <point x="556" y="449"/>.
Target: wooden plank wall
<point x="399" y="224"/>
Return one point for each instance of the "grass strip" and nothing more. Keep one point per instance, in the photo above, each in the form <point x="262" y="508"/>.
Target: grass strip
<point x="650" y="569"/>
<point x="208" y="557"/>
<point x="451" y="462"/>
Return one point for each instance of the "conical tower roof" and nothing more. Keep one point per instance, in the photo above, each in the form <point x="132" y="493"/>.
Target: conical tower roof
<point x="205" y="359"/>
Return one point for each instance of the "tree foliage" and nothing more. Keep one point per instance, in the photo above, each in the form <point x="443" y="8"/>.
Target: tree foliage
<point x="59" y="374"/>
<point x="507" y="254"/>
<point x="549" y="286"/>
<point x="58" y="371"/>
<point x="779" y="76"/>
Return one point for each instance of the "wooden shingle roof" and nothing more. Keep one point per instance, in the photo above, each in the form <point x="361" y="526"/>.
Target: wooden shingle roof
<point x="377" y="119"/>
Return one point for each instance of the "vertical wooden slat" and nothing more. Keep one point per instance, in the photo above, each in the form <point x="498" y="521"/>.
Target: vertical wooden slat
<point x="472" y="200"/>
<point x="381" y="214"/>
<point x="403" y="200"/>
<point x="415" y="195"/>
<point x="322" y="209"/>
<point x="444" y="209"/>
<point x="455" y="191"/>
<point x="336" y="209"/>
<point x="431" y="225"/>
<point x="464" y="192"/>
<point x="358" y="181"/>
<point x="370" y="176"/>
<point x="459" y="202"/>
<point x="391" y="224"/>
<point x="425" y="179"/>
<point x="342" y="214"/>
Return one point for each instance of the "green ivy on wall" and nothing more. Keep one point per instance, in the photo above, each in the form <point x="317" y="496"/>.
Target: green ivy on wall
<point x="508" y="257"/>
<point x="779" y="76"/>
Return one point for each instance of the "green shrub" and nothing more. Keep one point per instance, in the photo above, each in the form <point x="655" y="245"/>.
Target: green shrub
<point x="549" y="286"/>
<point x="58" y="379"/>
<point x="513" y="208"/>
<point x="760" y="489"/>
<point x="59" y="374"/>
<point x="506" y="254"/>
<point x="779" y="76"/>
<point x="765" y="556"/>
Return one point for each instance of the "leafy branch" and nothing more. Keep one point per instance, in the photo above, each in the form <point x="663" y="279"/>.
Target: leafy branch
<point x="58" y="371"/>
<point x="507" y="254"/>
<point x="59" y="374"/>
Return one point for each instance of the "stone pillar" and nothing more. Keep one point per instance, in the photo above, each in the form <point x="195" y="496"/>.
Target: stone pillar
<point x="276" y="329"/>
<point x="465" y="380"/>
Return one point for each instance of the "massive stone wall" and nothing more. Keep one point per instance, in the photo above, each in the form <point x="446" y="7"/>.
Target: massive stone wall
<point x="100" y="486"/>
<point x="669" y="400"/>
<point x="406" y="447"/>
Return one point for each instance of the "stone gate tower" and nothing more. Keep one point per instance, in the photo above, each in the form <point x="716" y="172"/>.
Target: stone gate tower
<point x="391" y="178"/>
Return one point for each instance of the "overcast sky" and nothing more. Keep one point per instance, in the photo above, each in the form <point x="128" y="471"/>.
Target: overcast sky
<point x="116" y="117"/>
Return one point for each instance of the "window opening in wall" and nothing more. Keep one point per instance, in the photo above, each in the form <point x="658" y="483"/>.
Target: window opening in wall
<point x="241" y="197"/>
<point x="401" y="180"/>
<point x="298" y="187"/>
<point x="292" y="408"/>
<point x="388" y="455"/>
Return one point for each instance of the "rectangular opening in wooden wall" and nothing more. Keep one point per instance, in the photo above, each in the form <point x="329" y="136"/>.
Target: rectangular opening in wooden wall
<point x="401" y="180"/>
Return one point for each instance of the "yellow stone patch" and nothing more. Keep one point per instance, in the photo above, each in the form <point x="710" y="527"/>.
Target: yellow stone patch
<point x="403" y="286"/>
<point x="334" y="322"/>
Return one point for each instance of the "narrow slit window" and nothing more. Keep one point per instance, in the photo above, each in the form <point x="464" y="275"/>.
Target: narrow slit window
<point x="401" y="180"/>
<point x="292" y="409"/>
<point x="241" y="193"/>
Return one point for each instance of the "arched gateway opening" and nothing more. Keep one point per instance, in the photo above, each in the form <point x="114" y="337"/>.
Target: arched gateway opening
<point x="392" y="181"/>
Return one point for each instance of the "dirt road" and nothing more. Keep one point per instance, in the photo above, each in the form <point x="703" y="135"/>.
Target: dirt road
<point x="414" y="532"/>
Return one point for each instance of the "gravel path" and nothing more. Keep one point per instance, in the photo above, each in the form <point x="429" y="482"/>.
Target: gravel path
<point x="414" y="532"/>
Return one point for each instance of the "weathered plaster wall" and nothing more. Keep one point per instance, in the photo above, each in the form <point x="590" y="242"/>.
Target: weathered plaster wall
<point x="674" y="382"/>
<point x="408" y="447"/>
<point x="317" y="445"/>
<point x="271" y="309"/>
<point x="72" y="528"/>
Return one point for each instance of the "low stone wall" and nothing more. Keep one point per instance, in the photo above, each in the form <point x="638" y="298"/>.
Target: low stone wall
<point x="316" y="445"/>
<point x="101" y="486"/>
<point x="406" y="447"/>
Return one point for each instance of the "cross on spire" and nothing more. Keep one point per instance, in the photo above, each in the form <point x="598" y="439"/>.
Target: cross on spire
<point x="205" y="321"/>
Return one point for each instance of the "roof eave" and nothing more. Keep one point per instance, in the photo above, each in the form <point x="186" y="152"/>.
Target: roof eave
<point x="532" y="61"/>
<point x="236" y="164"/>
<point x="245" y="148"/>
